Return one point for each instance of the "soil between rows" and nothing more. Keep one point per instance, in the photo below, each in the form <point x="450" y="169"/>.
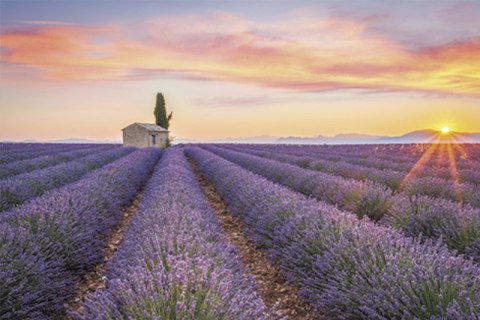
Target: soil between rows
<point x="278" y="295"/>
<point x="95" y="279"/>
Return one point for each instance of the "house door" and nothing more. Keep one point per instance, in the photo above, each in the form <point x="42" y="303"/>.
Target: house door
<point x="154" y="139"/>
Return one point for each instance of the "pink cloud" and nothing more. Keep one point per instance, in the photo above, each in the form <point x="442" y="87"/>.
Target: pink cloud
<point x="229" y="101"/>
<point x="303" y="52"/>
<point x="47" y="22"/>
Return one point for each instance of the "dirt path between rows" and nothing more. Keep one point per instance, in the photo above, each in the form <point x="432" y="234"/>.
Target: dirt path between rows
<point x="278" y="295"/>
<point x="95" y="279"/>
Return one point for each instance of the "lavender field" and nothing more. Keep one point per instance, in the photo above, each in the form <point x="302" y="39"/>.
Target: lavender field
<point x="240" y="231"/>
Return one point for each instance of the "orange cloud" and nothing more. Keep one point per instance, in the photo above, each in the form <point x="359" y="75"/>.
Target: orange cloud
<point x="302" y="52"/>
<point x="63" y="52"/>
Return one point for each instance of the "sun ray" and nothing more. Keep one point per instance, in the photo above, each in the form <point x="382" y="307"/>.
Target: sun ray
<point x="445" y="147"/>
<point x="461" y="150"/>
<point x="418" y="166"/>
<point x="454" y="171"/>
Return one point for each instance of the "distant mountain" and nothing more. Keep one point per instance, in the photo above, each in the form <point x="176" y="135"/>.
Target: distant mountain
<point x="470" y="137"/>
<point x="80" y="140"/>
<point x="349" y="138"/>
<point x="183" y="140"/>
<point x="432" y="136"/>
<point x="419" y="136"/>
<point x="302" y="140"/>
<point x="255" y="139"/>
<point x="69" y="140"/>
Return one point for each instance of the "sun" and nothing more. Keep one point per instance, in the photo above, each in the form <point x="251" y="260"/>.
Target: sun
<point x="445" y="130"/>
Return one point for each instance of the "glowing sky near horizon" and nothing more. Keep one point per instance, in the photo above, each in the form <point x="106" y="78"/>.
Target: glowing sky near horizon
<point x="237" y="69"/>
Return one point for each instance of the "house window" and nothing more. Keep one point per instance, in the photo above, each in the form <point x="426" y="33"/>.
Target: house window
<point x="154" y="139"/>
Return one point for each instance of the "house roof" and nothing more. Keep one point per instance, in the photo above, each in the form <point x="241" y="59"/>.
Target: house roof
<point x="149" y="127"/>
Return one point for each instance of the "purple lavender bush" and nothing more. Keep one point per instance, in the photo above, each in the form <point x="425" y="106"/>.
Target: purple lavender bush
<point x="16" y="190"/>
<point x="458" y="226"/>
<point x="466" y="192"/>
<point x="347" y="268"/>
<point x="33" y="287"/>
<point x="430" y="218"/>
<point x="21" y="151"/>
<point x="174" y="261"/>
<point x="49" y="242"/>
<point x="18" y="167"/>
<point x="363" y="198"/>
<point x="473" y="249"/>
<point x="389" y="169"/>
<point x="390" y="178"/>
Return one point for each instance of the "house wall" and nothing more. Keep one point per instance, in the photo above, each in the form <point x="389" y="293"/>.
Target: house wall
<point x="162" y="138"/>
<point x="136" y="136"/>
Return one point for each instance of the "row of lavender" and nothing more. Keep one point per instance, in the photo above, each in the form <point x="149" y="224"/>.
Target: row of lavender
<point x="432" y="217"/>
<point x="15" y="147"/>
<point x="439" y="156"/>
<point x="15" y="190"/>
<point x="22" y="166"/>
<point x="464" y="154"/>
<point x="397" y="181"/>
<point x="10" y="152"/>
<point x="356" y="165"/>
<point x="174" y="262"/>
<point x="49" y="242"/>
<point x="456" y="225"/>
<point x="348" y="268"/>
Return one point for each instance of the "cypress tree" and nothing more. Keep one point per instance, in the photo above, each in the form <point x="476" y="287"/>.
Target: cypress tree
<point x="160" y="112"/>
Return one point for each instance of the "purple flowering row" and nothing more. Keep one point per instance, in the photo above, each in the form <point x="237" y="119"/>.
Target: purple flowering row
<point x="347" y="268"/>
<point x="465" y="154"/>
<point x="428" y="186"/>
<point x="355" y="166"/>
<point x="15" y="190"/>
<point x="48" y="243"/>
<point x="24" y="151"/>
<point x="439" y="162"/>
<point x="174" y="261"/>
<point x="390" y="178"/>
<point x="457" y="225"/>
<point x="14" y="149"/>
<point x="392" y="157"/>
<point x="438" y="159"/>
<point x="360" y="197"/>
<point x="22" y="166"/>
<point x="20" y="147"/>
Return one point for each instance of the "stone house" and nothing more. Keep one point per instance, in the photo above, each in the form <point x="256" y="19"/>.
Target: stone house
<point x="142" y="135"/>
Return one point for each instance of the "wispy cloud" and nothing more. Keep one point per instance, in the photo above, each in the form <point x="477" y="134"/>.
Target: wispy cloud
<point x="46" y="22"/>
<point x="302" y="52"/>
<point x="232" y="101"/>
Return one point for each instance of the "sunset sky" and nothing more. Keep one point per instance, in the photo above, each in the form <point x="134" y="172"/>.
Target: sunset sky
<point x="86" y="69"/>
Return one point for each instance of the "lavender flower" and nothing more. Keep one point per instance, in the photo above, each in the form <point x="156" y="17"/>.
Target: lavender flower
<point x="47" y="243"/>
<point x="41" y="162"/>
<point x="346" y="267"/>
<point x="12" y="152"/>
<point x="174" y="262"/>
<point x="362" y="198"/>
<point x="20" y="188"/>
